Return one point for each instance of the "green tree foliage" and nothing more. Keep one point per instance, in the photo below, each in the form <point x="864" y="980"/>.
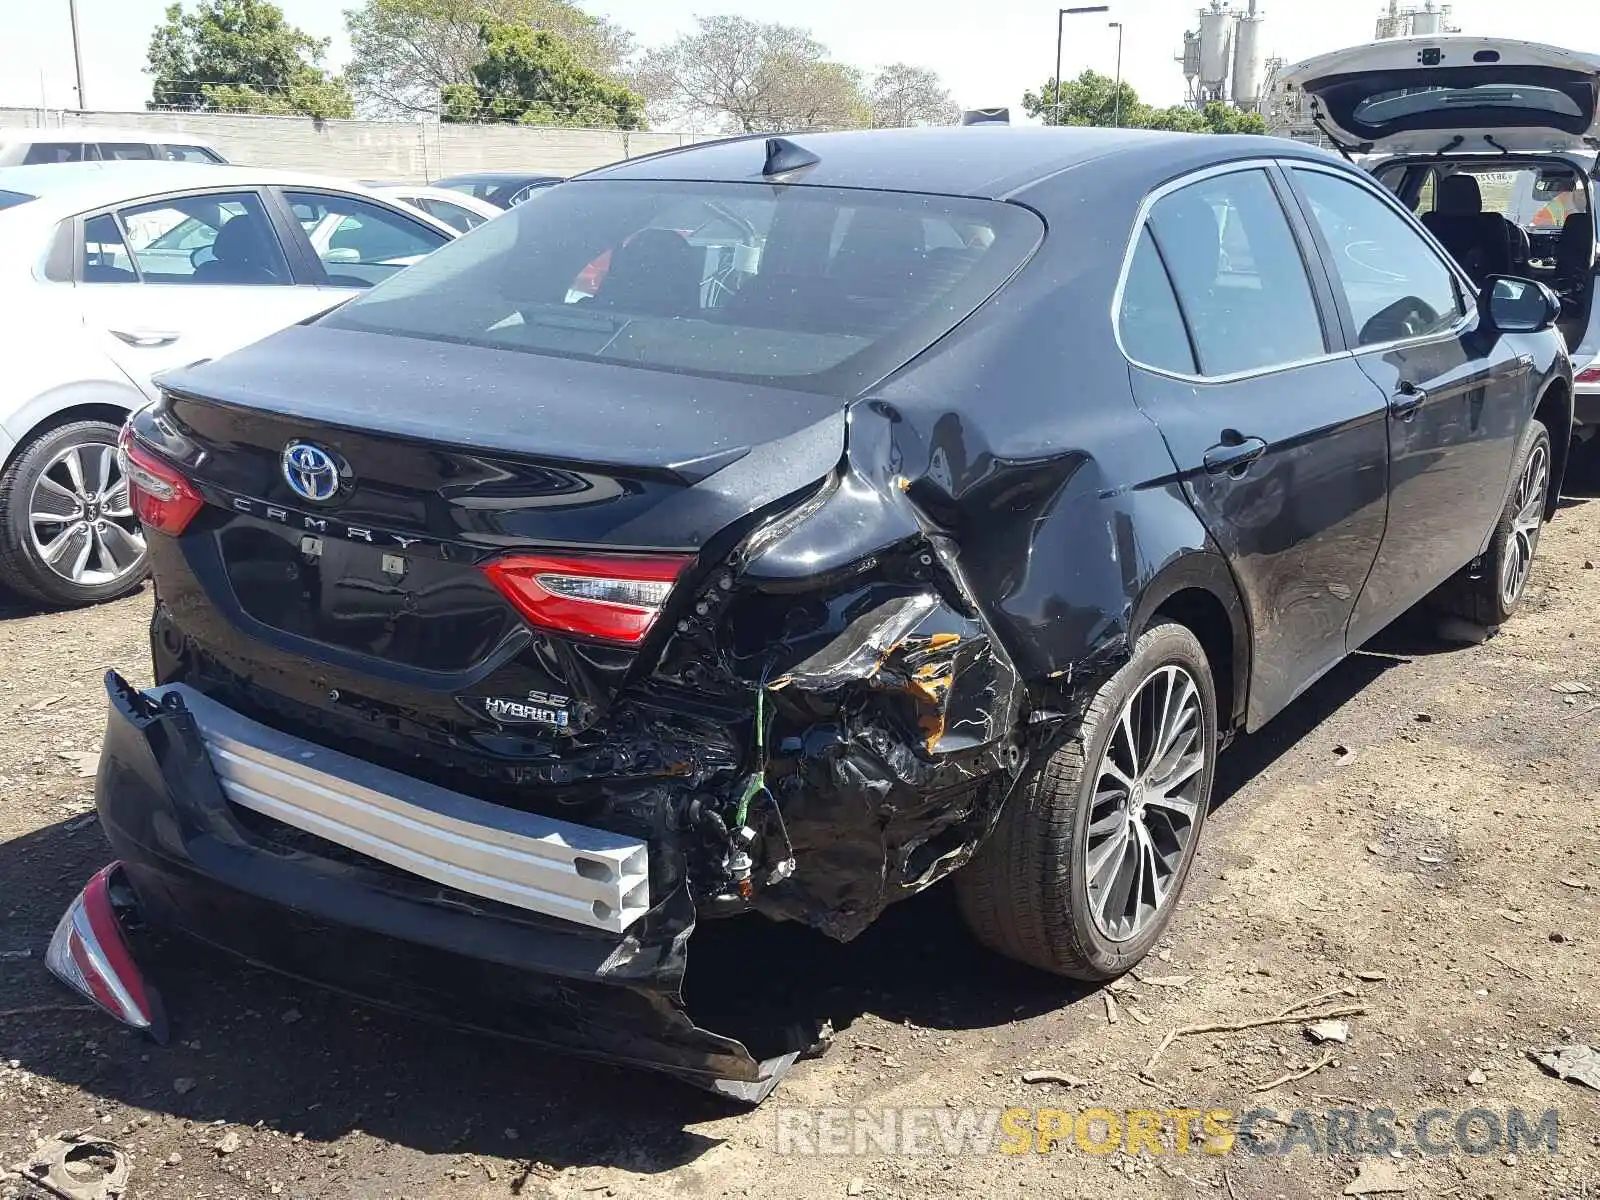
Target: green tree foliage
<point x="533" y="77"/>
<point x="751" y="77"/>
<point x="406" y="53"/>
<point x="242" y="55"/>
<point x="1092" y="99"/>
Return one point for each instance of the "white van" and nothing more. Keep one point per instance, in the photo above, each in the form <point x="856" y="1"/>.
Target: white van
<point x="1494" y="143"/>
<point x="25" y="147"/>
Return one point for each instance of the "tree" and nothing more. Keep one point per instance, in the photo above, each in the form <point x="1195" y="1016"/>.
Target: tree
<point x="902" y="95"/>
<point x="533" y="77"/>
<point x="1092" y="99"/>
<point x="406" y="53"/>
<point x="242" y="55"/>
<point x="753" y="78"/>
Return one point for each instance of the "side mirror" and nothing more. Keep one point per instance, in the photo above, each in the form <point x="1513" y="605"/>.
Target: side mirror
<point x="1507" y="304"/>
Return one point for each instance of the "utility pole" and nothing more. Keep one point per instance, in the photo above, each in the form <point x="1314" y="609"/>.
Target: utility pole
<point x="77" y="53"/>
<point x="1117" y="102"/>
<point x="1061" y="17"/>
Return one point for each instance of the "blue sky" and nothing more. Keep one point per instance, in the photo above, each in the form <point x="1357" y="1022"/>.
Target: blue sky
<point x="987" y="52"/>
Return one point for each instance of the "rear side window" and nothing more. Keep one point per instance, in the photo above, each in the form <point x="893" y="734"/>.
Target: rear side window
<point x="1238" y="273"/>
<point x="1150" y="321"/>
<point x="1394" y="283"/>
<point x="126" y="151"/>
<point x="218" y="239"/>
<point x="819" y="288"/>
<point x="105" y="254"/>
<point x="12" y="199"/>
<point x="53" y="152"/>
<point x="360" y="243"/>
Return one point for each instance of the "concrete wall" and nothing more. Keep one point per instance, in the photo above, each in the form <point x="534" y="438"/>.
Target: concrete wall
<point x="373" y="149"/>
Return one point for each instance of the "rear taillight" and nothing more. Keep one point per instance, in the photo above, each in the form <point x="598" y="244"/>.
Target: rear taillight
<point x="1589" y="375"/>
<point x="162" y="498"/>
<point x="90" y="955"/>
<point x="612" y="597"/>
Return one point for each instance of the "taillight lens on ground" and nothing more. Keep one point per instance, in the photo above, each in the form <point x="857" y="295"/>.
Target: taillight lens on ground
<point x="612" y="597"/>
<point x="162" y="498"/>
<point x="90" y="955"/>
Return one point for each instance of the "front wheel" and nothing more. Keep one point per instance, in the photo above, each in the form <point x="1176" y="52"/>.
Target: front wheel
<point x="68" y="535"/>
<point x="1083" y="872"/>
<point x="1491" y="594"/>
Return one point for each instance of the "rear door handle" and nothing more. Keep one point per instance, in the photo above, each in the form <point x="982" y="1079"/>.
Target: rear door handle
<point x="1403" y="404"/>
<point x="1233" y="457"/>
<point x="145" y="337"/>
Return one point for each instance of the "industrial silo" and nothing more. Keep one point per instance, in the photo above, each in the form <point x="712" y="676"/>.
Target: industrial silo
<point x="1216" y="49"/>
<point x="1247" y="68"/>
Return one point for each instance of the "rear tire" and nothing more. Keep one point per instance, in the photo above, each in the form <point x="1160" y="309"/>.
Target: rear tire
<point x="94" y="552"/>
<point x="1044" y="889"/>
<point x="1489" y="596"/>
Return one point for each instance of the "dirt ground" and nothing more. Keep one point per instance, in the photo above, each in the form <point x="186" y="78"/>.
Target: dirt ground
<point x="1419" y="829"/>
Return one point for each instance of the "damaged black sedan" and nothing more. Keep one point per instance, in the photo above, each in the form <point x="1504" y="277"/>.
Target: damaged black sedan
<point x="779" y="526"/>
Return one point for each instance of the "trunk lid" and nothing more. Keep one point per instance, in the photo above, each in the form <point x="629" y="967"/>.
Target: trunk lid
<point x="1430" y="94"/>
<point x="443" y="458"/>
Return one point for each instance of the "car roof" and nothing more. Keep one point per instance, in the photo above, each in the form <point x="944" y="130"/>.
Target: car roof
<point x="499" y="177"/>
<point x="10" y="135"/>
<point x="986" y="161"/>
<point x="64" y="188"/>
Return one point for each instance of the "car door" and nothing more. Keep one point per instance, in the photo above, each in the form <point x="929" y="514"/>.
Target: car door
<point x="172" y="281"/>
<point x="1456" y="403"/>
<point x="358" y="242"/>
<point x="1278" y="436"/>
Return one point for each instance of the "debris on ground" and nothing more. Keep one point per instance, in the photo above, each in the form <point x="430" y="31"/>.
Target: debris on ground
<point x="1356" y="1010"/>
<point x="1064" y="1078"/>
<point x="1477" y="1077"/>
<point x="74" y="1166"/>
<point x="1571" y="687"/>
<point x="1329" y="1031"/>
<point x="1376" y="1177"/>
<point x="1292" y="1076"/>
<point x="1581" y="1063"/>
<point x="231" y="1143"/>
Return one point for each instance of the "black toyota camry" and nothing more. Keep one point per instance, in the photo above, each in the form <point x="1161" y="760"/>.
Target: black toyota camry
<point x="776" y="527"/>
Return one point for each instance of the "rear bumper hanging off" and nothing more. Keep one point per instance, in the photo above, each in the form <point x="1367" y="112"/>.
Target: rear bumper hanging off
<point x="174" y="779"/>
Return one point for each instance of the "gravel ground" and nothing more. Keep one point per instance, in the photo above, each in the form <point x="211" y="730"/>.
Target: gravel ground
<point x="1416" y="838"/>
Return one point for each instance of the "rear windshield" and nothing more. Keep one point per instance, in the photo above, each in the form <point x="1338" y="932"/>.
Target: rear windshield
<point x="12" y="199"/>
<point x="818" y="288"/>
<point x="1384" y="108"/>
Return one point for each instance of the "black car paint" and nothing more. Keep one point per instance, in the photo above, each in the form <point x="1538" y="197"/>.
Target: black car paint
<point x="993" y="525"/>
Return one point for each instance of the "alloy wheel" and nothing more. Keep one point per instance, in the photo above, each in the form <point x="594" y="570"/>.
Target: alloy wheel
<point x="1527" y="519"/>
<point x="1148" y="791"/>
<point x="80" y="517"/>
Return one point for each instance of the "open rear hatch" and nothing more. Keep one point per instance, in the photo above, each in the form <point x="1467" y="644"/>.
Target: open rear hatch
<point x="1440" y="94"/>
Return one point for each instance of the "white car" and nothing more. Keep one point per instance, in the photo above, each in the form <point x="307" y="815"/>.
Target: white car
<point x="456" y="209"/>
<point x="25" y="147"/>
<point x="111" y="273"/>
<point x="1493" y="143"/>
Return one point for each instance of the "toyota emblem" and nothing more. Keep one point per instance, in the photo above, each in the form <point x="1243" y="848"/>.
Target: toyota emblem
<point x="312" y="472"/>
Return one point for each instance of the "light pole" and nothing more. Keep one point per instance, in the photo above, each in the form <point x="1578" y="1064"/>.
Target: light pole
<point x="1117" y="102"/>
<point x="1061" y="18"/>
<point x="77" y="55"/>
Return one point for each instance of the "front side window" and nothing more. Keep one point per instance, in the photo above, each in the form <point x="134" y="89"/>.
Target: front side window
<point x="197" y="154"/>
<point x="1394" y="283"/>
<point x="1151" y="324"/>
<point x="819" y="288"/>
<point x="105" y="254"/>
<point x="1237" y="270"/>
<point x="453" y="215"/>
<point x="126" y="151"/>
<point x="222" y="238"/>
<point x="360" y="243"/>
